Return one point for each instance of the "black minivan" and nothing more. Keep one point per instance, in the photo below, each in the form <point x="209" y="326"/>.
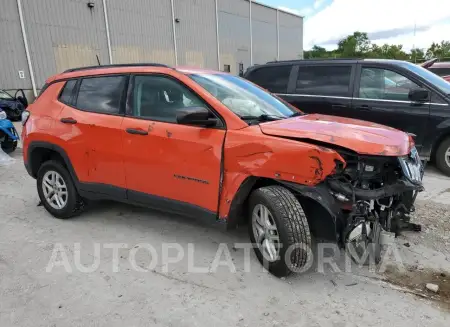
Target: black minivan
<point x="395" y="93"/>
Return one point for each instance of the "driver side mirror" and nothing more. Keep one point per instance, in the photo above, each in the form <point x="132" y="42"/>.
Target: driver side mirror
<point x="419" y="95"/>
<point x="197" y="116"/>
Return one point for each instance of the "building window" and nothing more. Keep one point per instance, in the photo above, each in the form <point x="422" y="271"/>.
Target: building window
<point x="227" y="68"/>
<point x="241" y="69"/>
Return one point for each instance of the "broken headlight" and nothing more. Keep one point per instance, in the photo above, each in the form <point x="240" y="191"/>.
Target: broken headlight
<point x="412" y="166"/>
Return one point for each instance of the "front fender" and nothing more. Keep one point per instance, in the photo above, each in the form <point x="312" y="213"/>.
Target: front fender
<point x="250" y="154"/>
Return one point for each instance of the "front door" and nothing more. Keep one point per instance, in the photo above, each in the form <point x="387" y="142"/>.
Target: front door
<point x="381" y="96"/>
<point x="168" y="165"/>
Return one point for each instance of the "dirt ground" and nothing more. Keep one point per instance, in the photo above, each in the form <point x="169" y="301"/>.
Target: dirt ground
<point x="123" y="292"/>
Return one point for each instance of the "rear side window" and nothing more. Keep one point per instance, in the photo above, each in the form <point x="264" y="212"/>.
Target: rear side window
<point x="324" y="80"/>
<point x="273" y="78"/>
<point x="440" y="71"/>
<point x="101" y="94"/>
<point x="67" y="92"/>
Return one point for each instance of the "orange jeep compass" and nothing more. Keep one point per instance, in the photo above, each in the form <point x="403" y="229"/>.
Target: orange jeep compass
<point x="209" y="144"/>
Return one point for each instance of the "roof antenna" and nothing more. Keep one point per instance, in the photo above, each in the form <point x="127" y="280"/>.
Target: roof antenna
<point x="98" y="60"/>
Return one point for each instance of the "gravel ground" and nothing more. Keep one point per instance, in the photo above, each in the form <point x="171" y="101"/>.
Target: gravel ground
<point x="435" y="220"/>
<point x="31" y="294"/>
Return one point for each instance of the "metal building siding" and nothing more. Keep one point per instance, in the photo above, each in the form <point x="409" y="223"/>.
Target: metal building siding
<point x="12" y="49"/>
<point x="141" y="31"/>
<point x="64" y="34"/>
<point x="291" y="36"/>
<point x="264" y="29"/>
<point x="196" y="33"/>
<point x="234" y="33"/>
<point x="235" y="7"/>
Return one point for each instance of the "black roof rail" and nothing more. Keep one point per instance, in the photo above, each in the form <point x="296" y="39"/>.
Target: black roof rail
<point x="115" y="66"/>
<point x="313" y="59"/>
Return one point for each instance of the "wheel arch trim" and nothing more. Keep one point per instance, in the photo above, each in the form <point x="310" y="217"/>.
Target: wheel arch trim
<point x="32" y="159"/>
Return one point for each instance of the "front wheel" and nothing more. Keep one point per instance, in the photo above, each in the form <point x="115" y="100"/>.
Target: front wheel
<point x="279" y="230"/>
<point x="442" y="157"/>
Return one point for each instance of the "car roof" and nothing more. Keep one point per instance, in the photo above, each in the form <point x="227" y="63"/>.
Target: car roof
<point x="126" y="68"/>
<point x="441" y="64"/>
<point x="330" y="61"/>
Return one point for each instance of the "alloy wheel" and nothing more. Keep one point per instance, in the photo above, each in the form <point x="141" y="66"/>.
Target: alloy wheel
<point x="55" y="190"/>
<point x="265" y="232"/>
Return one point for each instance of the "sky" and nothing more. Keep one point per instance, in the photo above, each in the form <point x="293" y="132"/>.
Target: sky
<point x="385" y="21"/>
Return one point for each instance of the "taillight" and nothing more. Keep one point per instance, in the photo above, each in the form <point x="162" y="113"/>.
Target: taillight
<point x="25" y="116"/>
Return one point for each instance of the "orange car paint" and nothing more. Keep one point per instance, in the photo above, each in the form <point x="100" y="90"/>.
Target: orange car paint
<point x="158" y="162"/>
<point x="101" y="151"/>
<point x="249" y="152"/>
<point x="360" y="136"/>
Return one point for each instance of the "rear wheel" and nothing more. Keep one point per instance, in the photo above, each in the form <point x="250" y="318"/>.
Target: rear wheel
<point x="442" y="157"/>
<point x="57" y="191"/>
<point x="279" y="230"/>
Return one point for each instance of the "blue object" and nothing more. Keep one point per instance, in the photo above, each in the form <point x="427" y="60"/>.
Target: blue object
<point x="8" y="134"/>
<point x="8" y="128"/>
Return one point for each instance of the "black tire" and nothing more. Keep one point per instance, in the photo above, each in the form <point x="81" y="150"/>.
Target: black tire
<point x="75" y="203"/>
<point x="292" y="226"/>
<point x="441" y="163"/>
<point x="9" y="146"/>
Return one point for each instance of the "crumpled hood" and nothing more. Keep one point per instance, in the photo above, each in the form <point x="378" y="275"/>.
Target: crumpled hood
<point x="360" y="136"/>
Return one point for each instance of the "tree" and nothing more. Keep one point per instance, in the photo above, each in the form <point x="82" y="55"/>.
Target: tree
<point x="316" y="52"/>
<point x="417" y="55"/>
<point x="439" y="50"/>
<point x="356" y="45"/>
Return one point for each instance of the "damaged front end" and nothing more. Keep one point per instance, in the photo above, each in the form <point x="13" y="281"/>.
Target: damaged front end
<point x="375" y="193"/>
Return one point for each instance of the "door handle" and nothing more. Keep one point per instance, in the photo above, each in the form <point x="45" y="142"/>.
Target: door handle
<point x="68" y="120"/>
<point x="338" y="106"/>
<point x="136" y="131"/>
<point x="364" y="107"/>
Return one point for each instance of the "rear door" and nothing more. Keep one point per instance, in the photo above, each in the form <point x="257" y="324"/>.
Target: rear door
<point x="90" y="122"/>
<point x="381" y="96"/>
<point x="322" y="88"/>
<point x="274" y="78"/>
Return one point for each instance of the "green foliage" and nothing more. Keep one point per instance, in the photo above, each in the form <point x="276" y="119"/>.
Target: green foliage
<point x="358" y="45"/>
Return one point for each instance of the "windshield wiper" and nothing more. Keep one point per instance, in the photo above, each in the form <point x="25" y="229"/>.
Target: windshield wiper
<point x="262" y="118"/>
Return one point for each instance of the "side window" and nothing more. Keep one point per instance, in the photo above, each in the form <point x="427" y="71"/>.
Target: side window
<point x="67" y="92"/>
<point x="383" y="84"/>
<point x="101" y="94"/>
<point x="440" y="71"/>
<point x="324" y="80"/>
<point x="159" y="98"/>
<point x="273" y="78"/>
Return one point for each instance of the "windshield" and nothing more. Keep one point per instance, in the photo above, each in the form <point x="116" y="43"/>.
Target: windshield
<point x="436" y="80"/>
<point x="244" y="98"/>
<point x="5" y="96"/>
